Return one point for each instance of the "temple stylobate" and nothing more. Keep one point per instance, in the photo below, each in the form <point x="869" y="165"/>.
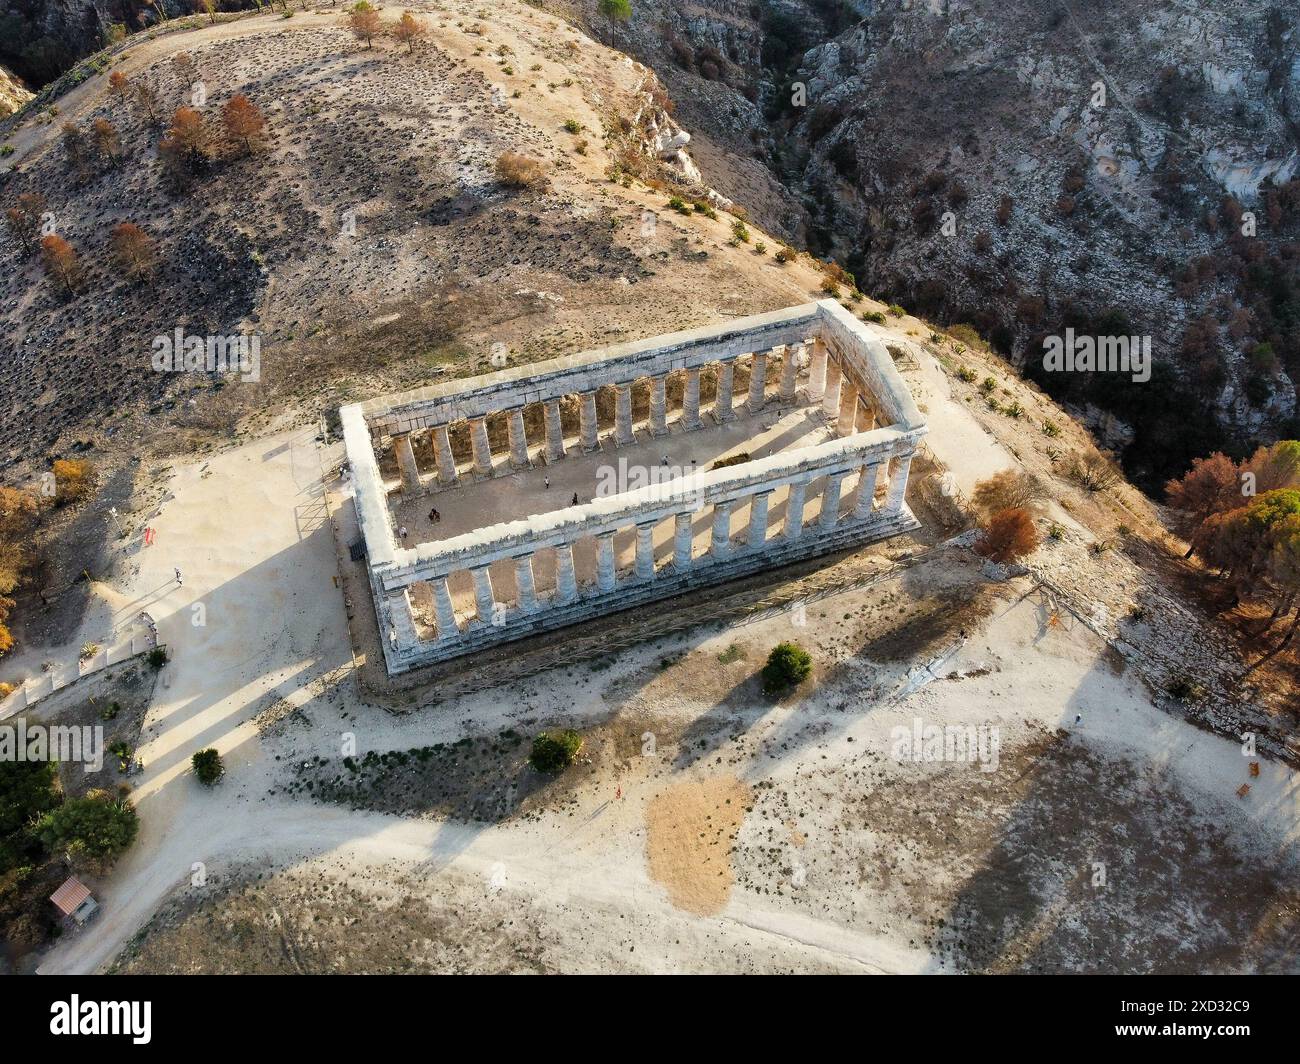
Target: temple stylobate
<point x="813" y="458"/>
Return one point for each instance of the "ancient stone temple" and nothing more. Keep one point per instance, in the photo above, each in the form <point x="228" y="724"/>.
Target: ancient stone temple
<point x="816" y="460"/>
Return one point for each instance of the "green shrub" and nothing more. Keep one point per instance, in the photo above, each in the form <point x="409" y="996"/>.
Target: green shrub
<point x="94" y="829"/>
<point x="787" y="666"/>
<point x="740" y="231"/>
<point x="157" y="657"/>
<point x="676" y="203"/>
<point x="966" y="374"/>
<point x="873" y="316"/>
<point x="572" y="125"/>
<point x="896" y="310"/>
<point x="553" y="752"/>
<point x="208" y="767"/>
<point x="735" y="459"/>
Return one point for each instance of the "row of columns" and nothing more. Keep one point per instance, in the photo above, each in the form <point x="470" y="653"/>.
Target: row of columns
<point x="588" y="436"/>
<point x="488" y="610"/>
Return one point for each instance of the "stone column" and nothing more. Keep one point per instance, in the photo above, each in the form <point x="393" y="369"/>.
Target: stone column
<point x="482" y="449"/>
<point x="757" y="535"/>
<point x="587" y="416"/>
<point x="659" y="405"/>
<point x="524" y="583"/>
<point x="866" y="490"/>
<point x="406" y="463"/>
<point x="757" y="382"/>
<point x="554" y="431"/>
<point x="401" y="633"/>
<point x="518" y="439"/>
<point x="605" y="572"/>
<point x="682" y="541"/>
<point x="623" y="413"/>
<point x="830" y="512"/>
<point x="898" y="470"/>
<point x="722" y="405"/>
<point x="848" y="407"/>
<point x="444" y="608"/>
<point x="817" y="369"/>
<point x="720" y="544"/>
<point x="789" y="372"/>
<point x="866" y="417"/>
<point x="691" y="399"/>
<point x="566" y="583"/>
<point x="793" y="528"/>
<point x="446" y="460"/>
<point x="831" y="396"/>
<point x="645" y="550"/>
<point x="484" y="599"/>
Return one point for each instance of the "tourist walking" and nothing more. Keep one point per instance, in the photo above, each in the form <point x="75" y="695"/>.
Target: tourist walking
<point x="179" y="582"/>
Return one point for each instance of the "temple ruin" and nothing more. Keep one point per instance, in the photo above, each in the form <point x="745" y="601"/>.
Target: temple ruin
<point x="814" y="459"/>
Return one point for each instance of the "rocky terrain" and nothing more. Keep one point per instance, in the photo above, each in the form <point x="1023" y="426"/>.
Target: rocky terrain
<point x="369" y="235"/>
<point x="1025" y="168"/>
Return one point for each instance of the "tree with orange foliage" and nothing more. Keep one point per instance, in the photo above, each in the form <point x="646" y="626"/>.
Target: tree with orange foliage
<point x="119" y="85"/>
<point x="105" y="141"/>
<point x="1009" y="534"/>
<point x="408" y="28"/>
<point x="135" y="249"/>
<point x="243" y="121"/>
<point x="61" y="261"/>
<point x="24" y="219"/>
<point x="73" y="479"/>
<point x="1213" y="485"/>
<point x="363" y="21"/>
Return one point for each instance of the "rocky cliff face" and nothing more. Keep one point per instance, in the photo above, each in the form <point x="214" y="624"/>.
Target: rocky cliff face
<point x="40" y="39"/>
<point x="13" y="93"/>
<point x="1122" y="168"/>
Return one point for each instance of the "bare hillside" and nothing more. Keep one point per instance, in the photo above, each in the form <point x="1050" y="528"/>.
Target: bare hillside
<point x="370" y="234"/>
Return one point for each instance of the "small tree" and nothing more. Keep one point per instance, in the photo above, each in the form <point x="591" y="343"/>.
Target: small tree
<point x="614" y="10"/>
<point x="190" y="132"/>
<point x="135" y="250"/>
<point x="61" y="261"/>
<point x="1008" y="489"/>
<point x="76" y="147"/>
<point x="788" y="665"/>
<point x="208" y="767"/>
<point x="555" y="751"/>
<point x="1211" y="486"/>
<point x="408" y="28"/>
<point x="24" y="220"/>
<point x="1009" y="534"/>
<point x="363" y="20"/>
<point x="105" y="141"/>
<point x="73" y="479"/>
<point x="145" y="98"/>
<point x="243" y="121"/>
<point x="119" y="85"/>
<point x="90" y="831"/>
